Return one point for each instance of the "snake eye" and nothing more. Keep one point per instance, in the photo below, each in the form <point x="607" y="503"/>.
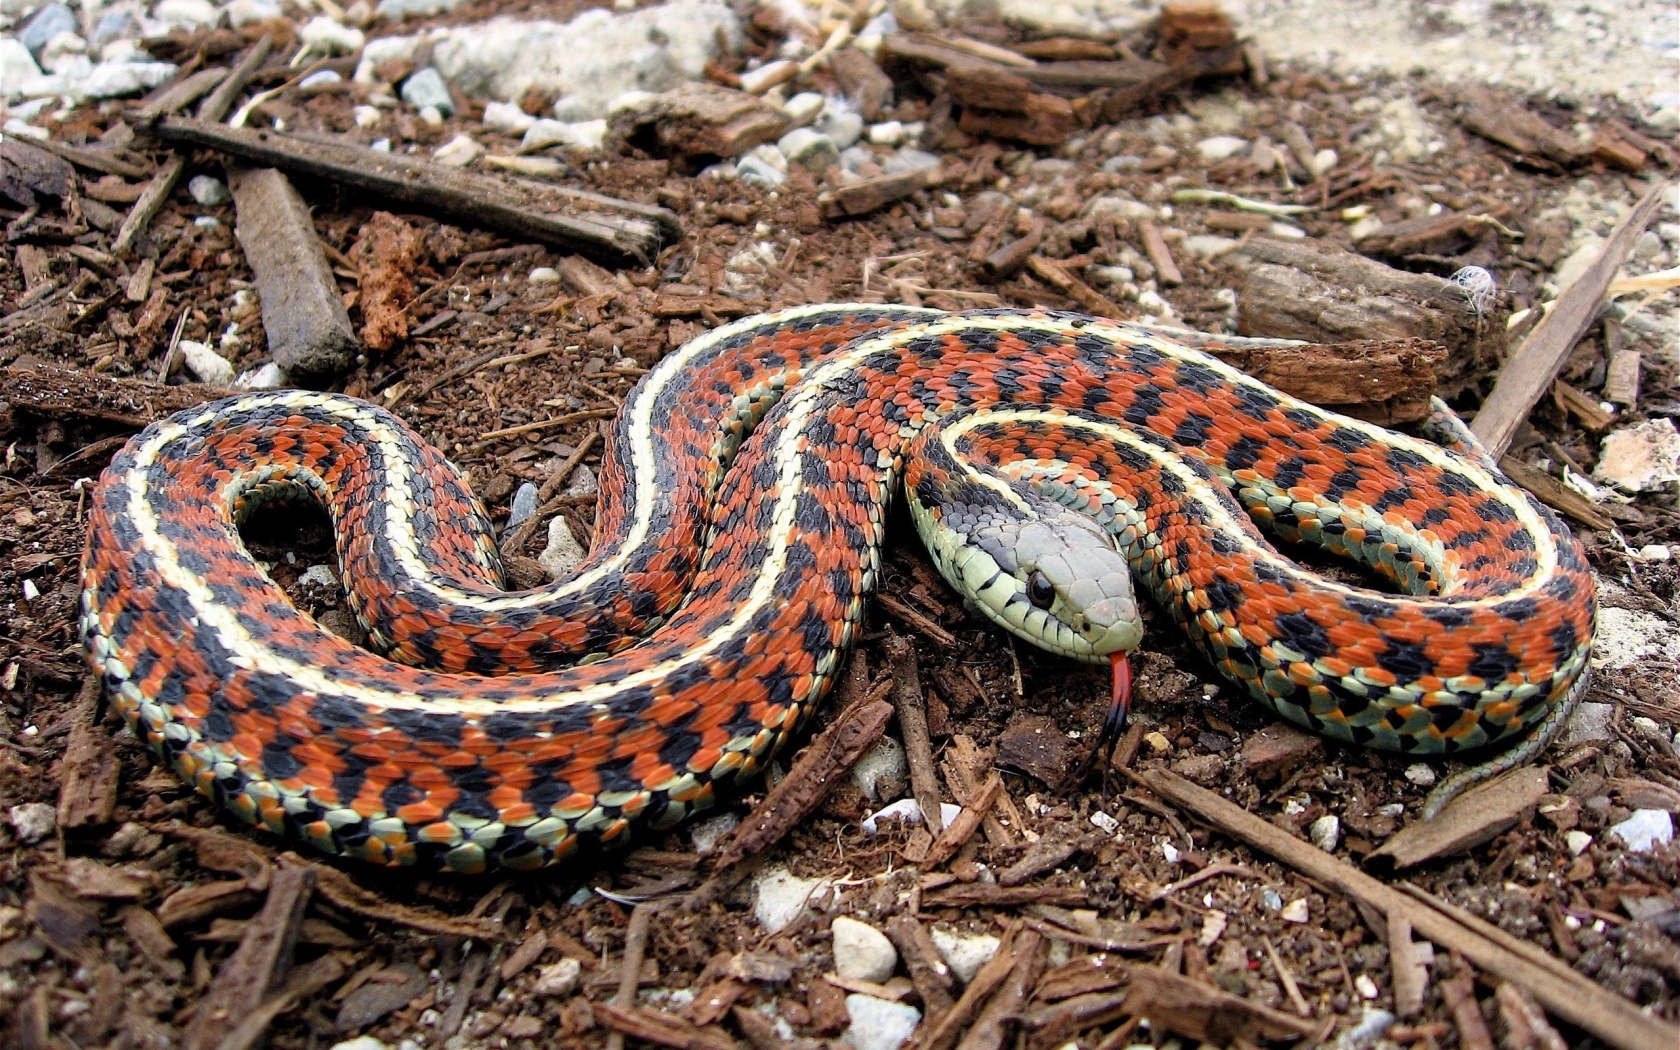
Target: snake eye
<point x="1039" y="591"/>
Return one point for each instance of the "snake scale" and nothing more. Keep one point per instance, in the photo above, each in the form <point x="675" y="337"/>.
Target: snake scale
<point x="738" y="539"/>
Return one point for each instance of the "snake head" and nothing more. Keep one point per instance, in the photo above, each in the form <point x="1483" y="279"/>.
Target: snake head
<point x="1047" y="574"/>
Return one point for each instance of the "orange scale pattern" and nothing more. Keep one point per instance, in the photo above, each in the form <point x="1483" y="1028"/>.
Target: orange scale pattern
<point x="742" y="512"/>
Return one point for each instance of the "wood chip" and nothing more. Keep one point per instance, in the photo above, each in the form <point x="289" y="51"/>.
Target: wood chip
<point x="1468" y="821"/>
<point x="259" y="963"/>
<point x="696" y="124"/>
<point x="911" y="705"/>
<point x="1278" y="750"/>
<point x="1530" y="370"/>
<point x="87" y="795"/>
<point x="1556" y="495"/>
<point x="659" y="1028"/>
<point x="1459" y="992"/>
<point x="1411" y="977"/>
<point x="337" y="887"/>
<point x="867" y="195"/>
<point x="1062" y="279"/>
<point x="1204" y="1012"/>
<point x="1155" y="246"/>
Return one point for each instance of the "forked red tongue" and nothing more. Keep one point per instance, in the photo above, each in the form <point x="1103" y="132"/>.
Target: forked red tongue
<point x="1122" y="703"/>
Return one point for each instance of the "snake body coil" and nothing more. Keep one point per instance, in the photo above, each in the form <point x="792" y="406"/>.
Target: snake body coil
<point x="739" y="538"/>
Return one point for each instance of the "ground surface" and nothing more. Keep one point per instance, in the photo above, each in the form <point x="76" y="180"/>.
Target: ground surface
<point x="113" y="937"/>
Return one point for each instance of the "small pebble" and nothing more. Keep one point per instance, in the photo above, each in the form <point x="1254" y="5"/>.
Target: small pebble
<point x="458" y="152"/>
<point x="1578" y="841"/>
<point x="1104" y="822"/>
<point x="1655" y="552"/>
<point x="361" y="1042"/>
<point x="269" y="376"/>
<point x="1645" y="830"/>
<point x="558" y="980"/>
<point x="1421" y="773"/>
<point x="431" y="116"/>
<point x="886" y="133"/>
<point x="1366" y="987"/>
<point x="325" y="37"/>
<point x="317" y="81"/>
<point x="708" y="833"/>
<point x="780" y="896"/>
<point x="1325" y="832"/>
<point x="365" y="116"/>
<point x="907" y="809"/>
<point x="205" y="363"/>
<point x="319" y="576"/>
<point x="861" y="951"/>
<point x="878" y="1024"/>
<point x="425" y="89"/>
<point x="1371" y="1027"/>
<point x="805" y="106"/>
<point x="524" y="501"/>
<point x="544" y="275"/>
<point x="1271" y="899"/>
<point x="563" y="553"/>
<point x="964" y="952"/>
<point x="1220" y="147"/>
<point x="208" y="190"/>
<point x="507" y="116"/>
<point x="33" y="821"/>
<point x="885" y="759"/>
<point x="1294" y="911"/>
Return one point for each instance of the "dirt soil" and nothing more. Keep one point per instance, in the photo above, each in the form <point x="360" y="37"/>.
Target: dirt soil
<point x="113" y="935"/>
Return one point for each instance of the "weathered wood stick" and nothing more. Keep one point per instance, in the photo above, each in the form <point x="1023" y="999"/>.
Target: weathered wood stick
<point x="1529" y="372"/>
<point x="518" y="207"/>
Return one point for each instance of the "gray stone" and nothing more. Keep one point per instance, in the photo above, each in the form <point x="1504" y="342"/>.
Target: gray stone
<point x="558" y="980"/>
<point x="205" y="363"/>
<point x="427" y="89"/>
<point x="563" y="552"/>
<point x="964" y="952"/>
<point x="47" y="23"/>
<point x="841" y="123"/>
<point x="524" y="501"/>
<point x="115" y="79"/>
<point x="591" y="60"/>
<point x="397" y="10"/>
<point x="809" y="149"/>
<point x="862" y="952"/>
<point x="32" y="821"/>
<point x="208" y="190"/>
<point x="908" y="159"/>
<point x="878" y="1024"/>
<point x="1589" y="724"/>
<point x="17" y="67"/>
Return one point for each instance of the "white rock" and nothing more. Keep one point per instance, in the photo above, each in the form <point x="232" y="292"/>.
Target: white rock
<point x="205" y="363"/>
<point x="507" y="116"/>
<point x="1421" y="773"/>
<point x="563" y="553"/>
<point x="885" y="759"/>
<point x="1591" y="722"/>
<point x="1578" y="841"/>
<point x="425" y="89"/>
<point x="1324" y="160"/>
<point x="397" y="10"/>
<point x="909" y="810"/>
<point x="319" y="81"/>
<point x="361" y="1042"/>
<point x="1122" y="208"/>
<point x="269" y="376"/>
<point x="1641" y="458"/>
<point x="245" y="12"/>
<point x="1295" y="911"/>
<point x="33" y="821"/>
<point x="188" y="13"/>
<point x="709" y="832"/>
<point x="1655" y="552"/>
<point x="861" y="951"/>
<point x="964" y="952"/>
<point x="1576" y="262"/>
<point x="66" y="54"/>
<point x="764" y="165"/>
<point x="841" y="123"/>
<point x="544" y="275"/>
<point x="907" y="159"/>
<point x="208" y="190"/>
<point x="17" y="66"/>
<point x="24" y="130"/>
<point x="1325" y="832"/>
<point x="324" y="36"/>
<point x="1647" y="828"/>
<point x="558" y="980"/>
<point x="804" y="107"/>
<point x="886" y="133"/>
<point x="590" y="60"/>
<point x="809" y="149"/>
<point x="1372" y="1024"/>
<point x="381" y="50"/>
<point x="458" y="152"/>
<point x="878" y="1024"/>
<point x="431" y="115"/>
<point x="1221" y="147"/>
<point x="114" y="79"/>
<point x="45" y="24"/>
<point x="366" y="116"/>
<point x="1207" y="245"/>
<point x="319" y="576"/>
<point x="582" y="134"/>
<point x="779" y="896"/>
